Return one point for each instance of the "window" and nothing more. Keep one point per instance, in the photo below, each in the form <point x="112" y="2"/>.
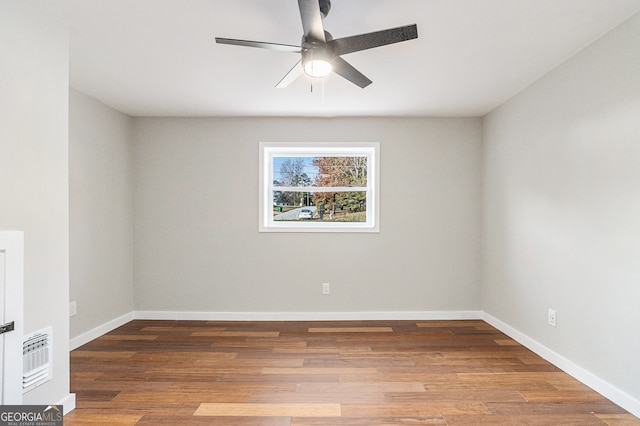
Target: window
<point x="319" y="187"/>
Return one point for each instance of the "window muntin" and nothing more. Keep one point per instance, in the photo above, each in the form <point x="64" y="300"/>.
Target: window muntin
<point x="335" y="183"/>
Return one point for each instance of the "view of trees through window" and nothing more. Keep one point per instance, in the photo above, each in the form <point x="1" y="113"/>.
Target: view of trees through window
<point x="320" y="188"/>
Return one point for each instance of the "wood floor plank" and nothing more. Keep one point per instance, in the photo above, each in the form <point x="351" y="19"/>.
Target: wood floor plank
<point x="454" y="395"/>
<point x="102" y="354"/>
<point x="227" y="333"/>
<point x="319" y="370"/>
<point x="350" y="330"/>
<point x="214" y="421"/>
<point x="485" y="362"/>
<point x="269" y="410"/>
<point x="506" y="342"/>
<point x="525" y="381"/>
<point x="178" y="329"/>
<point x="103" y="419"/>
<point x="231" y="387"/>
<point x="413" y="409"/>
<point x="164" y="358"/>
<point x="383" y="386"/>
<point x="131" y="385"/>
<point x="619" y="419"/>
<point x="371" y="421"/>
<point x="257" y="344"/>
<point x="563" y="396"/>
<point x="175" y="396"/>
<point x="84" y="376"/>
<point x="537" y="408"/>
<point x="452" y="324"/>
<point x="351" y="360"/>
<point x="323" y="398"/>
<point x="130" y="337"/>
<point x="275" y="378"/>
<point x="525" y="419"/>
<point x="324" y="373"/>
<point x="322" y="351"/>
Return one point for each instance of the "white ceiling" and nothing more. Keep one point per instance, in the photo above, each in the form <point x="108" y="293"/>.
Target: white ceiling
<point x="159" y="57"/>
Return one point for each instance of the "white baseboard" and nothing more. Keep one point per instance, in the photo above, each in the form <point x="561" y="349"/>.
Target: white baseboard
<point x="80" y="340"/>
<point x="68" y="403"/>
<point x="308" y="316"/>
<point x="601" y="386"/>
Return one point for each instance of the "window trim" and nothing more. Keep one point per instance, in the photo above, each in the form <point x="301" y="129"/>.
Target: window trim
<point x="268" y="150"/>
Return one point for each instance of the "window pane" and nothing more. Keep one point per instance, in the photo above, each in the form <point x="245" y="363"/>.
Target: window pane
<point x="293" y="171"/>
<point x="319" y="187"/>
<point x="341" y="171"/>
<point x="320" y="206"/>
<point x="320" y="171"/>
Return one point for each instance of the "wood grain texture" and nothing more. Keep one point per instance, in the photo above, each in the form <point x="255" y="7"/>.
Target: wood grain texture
<point x="350" y="330"/>
<point x="324" y="373"/>
<point x="269" y="410"/>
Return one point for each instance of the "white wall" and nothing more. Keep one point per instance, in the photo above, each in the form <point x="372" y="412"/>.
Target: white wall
<point x="34" y="52"/>
<point x="101" y="213"/>
<point x="562" y="209"/>
<point x="197" y="246"/>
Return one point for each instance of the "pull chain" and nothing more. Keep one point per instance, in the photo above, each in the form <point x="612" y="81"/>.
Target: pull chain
<point x="322" y="96"/>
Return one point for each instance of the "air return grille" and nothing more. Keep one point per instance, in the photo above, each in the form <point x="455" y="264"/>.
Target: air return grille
<point x="36" y="359"/>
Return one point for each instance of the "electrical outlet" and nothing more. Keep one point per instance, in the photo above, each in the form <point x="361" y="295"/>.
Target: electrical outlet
<point x="551" y="317"/>
<point x="73" y="308"/>
<point x="326" y="288"/>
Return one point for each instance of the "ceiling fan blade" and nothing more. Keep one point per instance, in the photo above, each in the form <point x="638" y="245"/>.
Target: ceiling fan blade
<point x="260" y="44"/>
<point x="346" y="70"/>
<point x="311" y="20"/>
<point x="342" y="46"/>
<point x="293" y="74"/>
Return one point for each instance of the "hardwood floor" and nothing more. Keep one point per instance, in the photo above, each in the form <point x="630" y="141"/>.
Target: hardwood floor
<point x="324" y="373"/>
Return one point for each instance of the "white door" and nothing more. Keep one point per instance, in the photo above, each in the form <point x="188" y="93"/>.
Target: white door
<point x="11" y="312"/>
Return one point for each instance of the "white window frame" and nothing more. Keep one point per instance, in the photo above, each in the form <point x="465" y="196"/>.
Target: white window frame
<point x="269" y="150"/>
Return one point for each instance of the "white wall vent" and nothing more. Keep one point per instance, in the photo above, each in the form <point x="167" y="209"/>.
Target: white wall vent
<point x="36" y="359"/>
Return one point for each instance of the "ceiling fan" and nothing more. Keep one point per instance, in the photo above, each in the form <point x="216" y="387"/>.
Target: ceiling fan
<point x="321" y="53"/>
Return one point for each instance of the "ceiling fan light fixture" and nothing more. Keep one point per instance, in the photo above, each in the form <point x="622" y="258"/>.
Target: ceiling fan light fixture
<point x="321" y="53"/>
<point x="317" y="68"/>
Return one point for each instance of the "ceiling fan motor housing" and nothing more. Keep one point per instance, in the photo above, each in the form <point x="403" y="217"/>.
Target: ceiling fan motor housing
<point x="325" y="7"/>
<point x="319" y="53"/>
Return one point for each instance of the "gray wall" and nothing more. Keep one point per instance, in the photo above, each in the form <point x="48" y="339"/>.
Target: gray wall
<point x="197" y="245"/>
<point x="562" y="209"/>
<point x="101" y="213"/>
<point x="34" y="52"/>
